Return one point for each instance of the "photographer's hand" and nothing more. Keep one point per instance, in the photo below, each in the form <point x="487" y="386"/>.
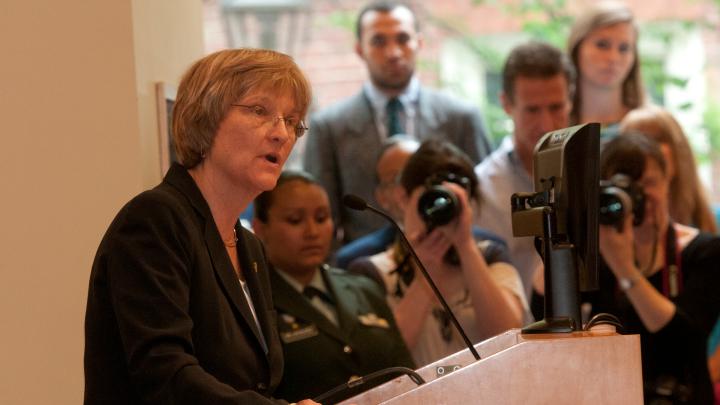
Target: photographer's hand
<point x="617" y="249"/>
<point x="459" y="231"/>
<point x="430" y="247"/>
<point x="414" y="307"/>
<point x="496" y="308"/>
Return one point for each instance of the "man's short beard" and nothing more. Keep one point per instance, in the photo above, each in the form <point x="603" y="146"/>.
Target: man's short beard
<point x="381" y="84"/>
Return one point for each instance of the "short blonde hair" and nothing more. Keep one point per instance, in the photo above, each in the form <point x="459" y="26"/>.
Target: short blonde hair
<point x="689" y="203"/>
<point x="214" y="82"/>
<point x="603" y="14"/>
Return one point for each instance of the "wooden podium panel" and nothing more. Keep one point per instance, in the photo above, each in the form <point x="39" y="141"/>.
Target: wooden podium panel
<point x="577" y="368"/>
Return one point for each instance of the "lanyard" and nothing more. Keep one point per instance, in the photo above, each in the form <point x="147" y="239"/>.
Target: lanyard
<point x="672" y="280"/>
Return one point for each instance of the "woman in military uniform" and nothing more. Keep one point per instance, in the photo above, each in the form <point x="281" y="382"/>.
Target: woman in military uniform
<point x="334" y="326"/>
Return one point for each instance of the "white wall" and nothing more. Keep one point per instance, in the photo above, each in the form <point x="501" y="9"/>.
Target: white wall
<point x="168" y="38"/>
<point x="77" y="135"/>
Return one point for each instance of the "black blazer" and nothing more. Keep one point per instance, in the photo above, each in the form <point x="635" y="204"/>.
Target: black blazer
<point x="167" y="321"/>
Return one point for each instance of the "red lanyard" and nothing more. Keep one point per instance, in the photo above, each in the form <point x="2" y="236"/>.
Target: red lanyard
<point x="672" y="279"/>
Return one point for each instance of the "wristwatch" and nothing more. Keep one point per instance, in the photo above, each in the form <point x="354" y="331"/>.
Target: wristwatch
<point x="627" y="283"/>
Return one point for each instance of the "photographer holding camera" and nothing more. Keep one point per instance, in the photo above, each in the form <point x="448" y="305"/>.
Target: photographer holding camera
<point x="476" y="278"/>
<point x="663" y="280"/>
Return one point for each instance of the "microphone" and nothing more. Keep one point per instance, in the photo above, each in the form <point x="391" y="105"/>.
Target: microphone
<point x="356" y="203"/>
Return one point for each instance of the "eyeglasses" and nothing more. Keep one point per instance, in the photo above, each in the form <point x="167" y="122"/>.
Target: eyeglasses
<point x="262" y="116"/>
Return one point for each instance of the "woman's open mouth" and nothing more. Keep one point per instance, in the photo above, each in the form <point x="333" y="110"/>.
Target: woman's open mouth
<point x="271" y="158"/>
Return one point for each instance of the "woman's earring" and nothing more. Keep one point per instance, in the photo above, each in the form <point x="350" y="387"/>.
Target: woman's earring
<point x="202" y="153"/>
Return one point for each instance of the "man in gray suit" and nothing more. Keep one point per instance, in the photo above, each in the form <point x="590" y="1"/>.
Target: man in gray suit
<point x="345" y="138"/>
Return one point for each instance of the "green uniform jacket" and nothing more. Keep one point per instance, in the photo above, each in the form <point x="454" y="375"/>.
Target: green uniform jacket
<point x="319" y="355"/>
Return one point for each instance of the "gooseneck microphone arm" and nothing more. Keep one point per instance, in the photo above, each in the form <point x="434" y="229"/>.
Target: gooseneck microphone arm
<point x="356" y="203"/>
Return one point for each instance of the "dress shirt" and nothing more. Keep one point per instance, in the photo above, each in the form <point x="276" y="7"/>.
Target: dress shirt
<point x="379" y="100"/>
<point x="500" y="175"/>
<point x="246" y="291"/>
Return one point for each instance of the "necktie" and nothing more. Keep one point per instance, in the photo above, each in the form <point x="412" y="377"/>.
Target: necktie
<point x="310" y="292"/>
<point x="394" y="123"/>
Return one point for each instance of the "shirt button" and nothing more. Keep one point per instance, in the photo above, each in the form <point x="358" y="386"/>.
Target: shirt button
<point x="261" y="386"/>
<point x="347" y="349"/>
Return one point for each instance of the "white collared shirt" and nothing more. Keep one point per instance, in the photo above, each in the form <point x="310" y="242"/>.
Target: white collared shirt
<point x="409" y="99"/>
<point x="246" y="291"/>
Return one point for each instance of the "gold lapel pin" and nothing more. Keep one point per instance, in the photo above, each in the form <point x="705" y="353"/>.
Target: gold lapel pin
<point x="255" y="266"/>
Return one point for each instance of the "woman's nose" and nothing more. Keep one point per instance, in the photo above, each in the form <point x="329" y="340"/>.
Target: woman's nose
<point x="311" y="228"/>
<point x="279" y="131"/>
<point x="614" y="54"/>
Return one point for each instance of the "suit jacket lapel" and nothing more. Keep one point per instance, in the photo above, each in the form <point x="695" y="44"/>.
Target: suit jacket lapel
<point x="248" y="260"/>
<point x="427" y="121"/>
<point x="362" y="120"/>
<point x="228" y="278"/>
<point x="179" y="178"/>
<point x="290" y="301"/>
<point x="347" y="303"/>
<point x="252" y="261"/>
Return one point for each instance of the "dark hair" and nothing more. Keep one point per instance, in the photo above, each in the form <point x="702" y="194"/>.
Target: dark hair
<point x="435" y="157"/>
<point x="628" y="154"/>
<point x="264" y="201"/>
<point x="536" y="59"/>
<point x="382" y="7"/>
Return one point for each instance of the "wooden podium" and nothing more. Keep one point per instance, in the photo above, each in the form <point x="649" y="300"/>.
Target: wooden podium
<point x="599" y="367"/>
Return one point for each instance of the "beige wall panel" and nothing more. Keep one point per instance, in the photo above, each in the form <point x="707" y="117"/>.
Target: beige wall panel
<point x="76" y="112"/>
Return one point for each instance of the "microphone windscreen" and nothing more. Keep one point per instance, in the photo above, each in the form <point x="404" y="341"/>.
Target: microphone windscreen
<point x="354" y="202"/>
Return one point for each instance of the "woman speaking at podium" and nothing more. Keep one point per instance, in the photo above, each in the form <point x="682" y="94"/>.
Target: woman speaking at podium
<point x="179" y="307"/>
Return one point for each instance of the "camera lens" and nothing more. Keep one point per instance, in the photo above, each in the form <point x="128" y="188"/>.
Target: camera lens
<point x="438" y="206"/>
<point x="614" y="203"/>
<point x="619" y="197"/>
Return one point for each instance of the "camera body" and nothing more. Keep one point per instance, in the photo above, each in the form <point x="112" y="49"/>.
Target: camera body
<point x="619" y="197"/>
<point x="438" y="205"/>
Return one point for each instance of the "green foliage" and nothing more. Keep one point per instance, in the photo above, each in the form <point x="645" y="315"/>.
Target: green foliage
<point x="652" y="67"/>
<point x="545" y="20"/>
<point x="343" y="19"/>
<point x="711" y="122"/>
<point x="498" y="123"/>
<point x="548" y="20"/>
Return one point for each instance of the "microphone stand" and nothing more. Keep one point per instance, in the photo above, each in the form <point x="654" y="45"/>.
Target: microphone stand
<point x="359" y="204"/>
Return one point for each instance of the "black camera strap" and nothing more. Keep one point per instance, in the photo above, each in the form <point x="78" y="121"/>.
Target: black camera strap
<point x="672" y="279"/>
<point x="404" y="268"/>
